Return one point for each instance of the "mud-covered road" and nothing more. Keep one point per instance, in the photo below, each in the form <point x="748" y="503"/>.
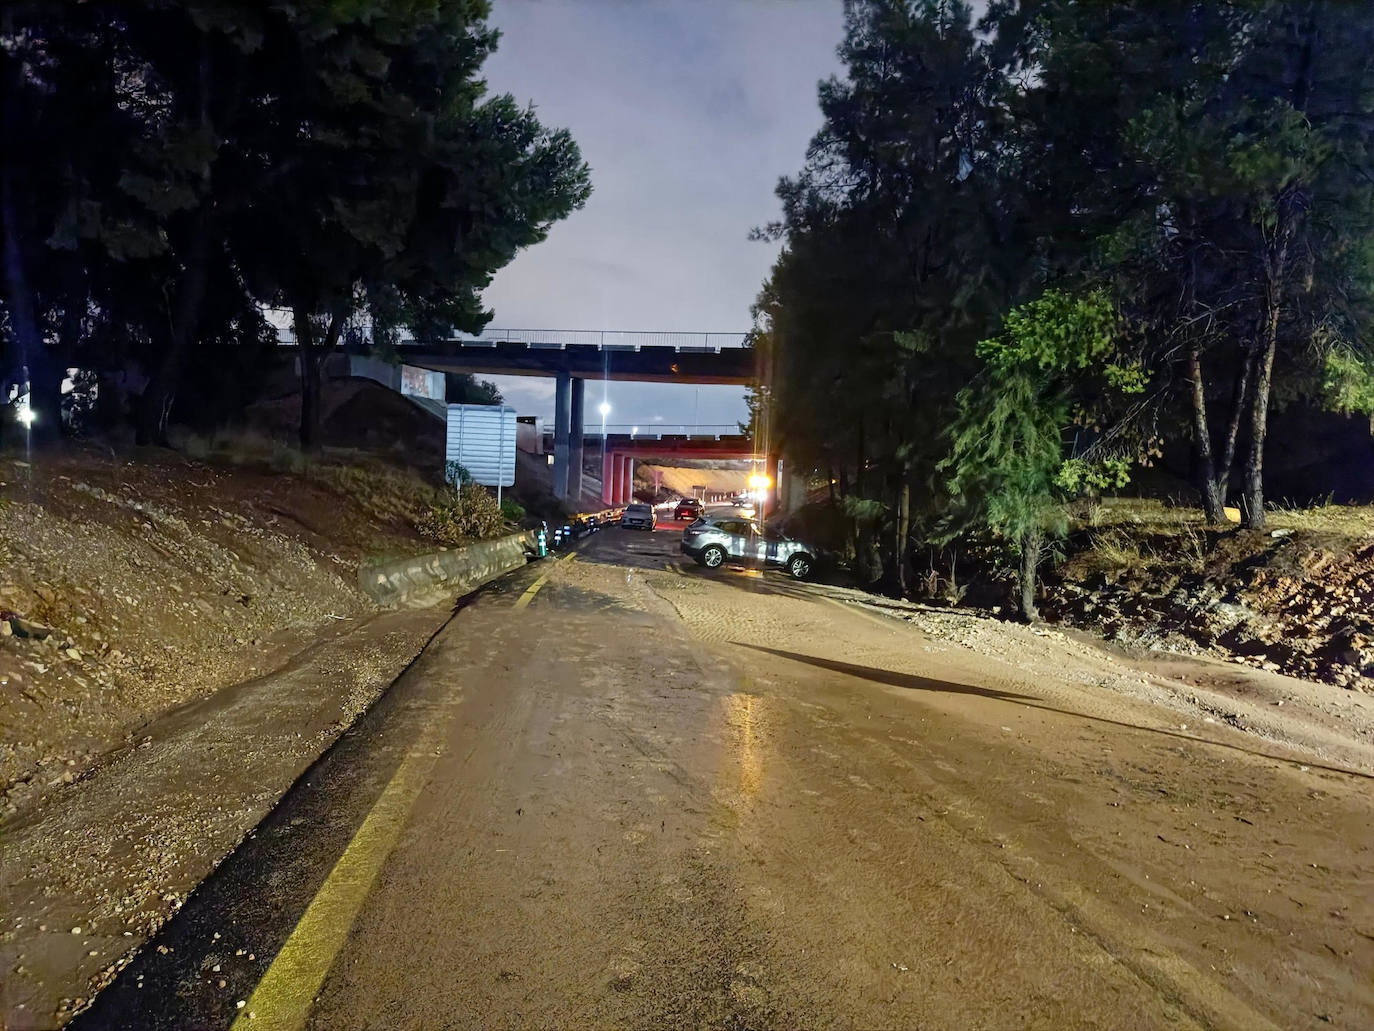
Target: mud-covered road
<point x="642" y="795"/>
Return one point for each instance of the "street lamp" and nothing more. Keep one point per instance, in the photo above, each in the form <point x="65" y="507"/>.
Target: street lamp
<point x="758" y="486"/>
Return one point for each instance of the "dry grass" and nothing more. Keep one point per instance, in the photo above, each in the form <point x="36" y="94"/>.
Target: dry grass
<point x="1343" y="520"/>
<point x="386" y="492"/>
<point x="1138" y="535"/>
<point x="1151" y="515"/>
<point x="1113" y="551"/>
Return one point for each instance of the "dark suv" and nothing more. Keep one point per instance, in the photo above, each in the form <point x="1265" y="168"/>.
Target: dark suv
<point x="688" y="509"/>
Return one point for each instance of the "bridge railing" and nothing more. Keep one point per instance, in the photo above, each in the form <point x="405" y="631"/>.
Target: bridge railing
<point x="654" y="430"/>
<point x="611" y="339"/>
<point x="608" y="339"/>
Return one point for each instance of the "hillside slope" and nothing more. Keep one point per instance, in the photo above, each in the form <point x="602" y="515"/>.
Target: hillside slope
<point x="130" y="587"/>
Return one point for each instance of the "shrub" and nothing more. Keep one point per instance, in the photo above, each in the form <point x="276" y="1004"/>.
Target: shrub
<point x="512" y="511"/>
<point x="465" y="514"/>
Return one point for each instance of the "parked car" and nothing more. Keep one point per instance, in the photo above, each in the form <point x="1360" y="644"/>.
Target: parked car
<point x="689" y="509"/>
<point x="714" y="540"/>
<point x="638" y="515"/>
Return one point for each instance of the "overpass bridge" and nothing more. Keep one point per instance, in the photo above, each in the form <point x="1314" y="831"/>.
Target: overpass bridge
<point x="572" y="357"/>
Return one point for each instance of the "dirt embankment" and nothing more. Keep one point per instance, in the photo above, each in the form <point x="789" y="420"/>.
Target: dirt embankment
<point x="129" y="586"/>
<point x="1297" y="598"/>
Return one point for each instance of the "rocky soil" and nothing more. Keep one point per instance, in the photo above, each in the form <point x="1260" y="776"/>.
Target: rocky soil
<point x="1296" y="599"/>
<point x="129" y="587"/>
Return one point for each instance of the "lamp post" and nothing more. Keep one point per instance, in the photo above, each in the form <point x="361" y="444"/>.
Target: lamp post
<point x="605" y="409"/>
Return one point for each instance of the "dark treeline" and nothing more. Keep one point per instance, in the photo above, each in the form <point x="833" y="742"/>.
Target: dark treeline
<point x="171" y="167"/>
<point x="1025" y="252"/>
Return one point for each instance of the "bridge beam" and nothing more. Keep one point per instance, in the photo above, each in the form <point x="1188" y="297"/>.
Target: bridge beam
<point x="562" y="416"/>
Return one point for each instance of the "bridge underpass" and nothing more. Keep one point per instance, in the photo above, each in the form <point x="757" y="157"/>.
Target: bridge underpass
<point x="572" y="357"/>
<point x="621" y="451"/>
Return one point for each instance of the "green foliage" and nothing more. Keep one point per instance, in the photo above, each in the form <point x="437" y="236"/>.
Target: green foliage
<point x="1056" y="332"/>
<point x="463" y="388"/>
<point x="1349" y="382"/>
<point x="1077" y="476"/>
<point x="187" y="161"/>
<point x="1007" y="452"/>
<point x="1198" y="177"/>
<point x="1009" y="466"/>
<point x="512" y="511"/>
<point x="895" y="263"/>
<point x="461" y="515"/>
<point x="864" y="511"/>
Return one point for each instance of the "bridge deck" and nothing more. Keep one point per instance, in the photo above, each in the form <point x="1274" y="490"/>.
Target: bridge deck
<point x="695" y="364"/>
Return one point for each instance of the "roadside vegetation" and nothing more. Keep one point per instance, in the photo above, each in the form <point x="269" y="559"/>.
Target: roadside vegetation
<point x="1067" y="251"/>
<point x="449" y="513"/>
<point x="190" y="167"/>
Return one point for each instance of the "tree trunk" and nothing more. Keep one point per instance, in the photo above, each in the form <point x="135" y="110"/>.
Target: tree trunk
<point x="1276" y="271"/>
<point x="1213" y="502"/>
<point x="1290" y="207"/>
<point x="862" y="564"/>
<point x="313" y="354"/>
<point x="1026" y="581"/>
<point x="185" y="320"/>
<point x="1238" y="406"/>
<point x="1252" y="507"/>
<point x="310" y="375"/>
<point x="901" y="558"/>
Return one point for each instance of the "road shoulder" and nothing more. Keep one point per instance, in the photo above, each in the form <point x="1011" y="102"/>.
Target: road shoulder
<point x="116" y="853"/>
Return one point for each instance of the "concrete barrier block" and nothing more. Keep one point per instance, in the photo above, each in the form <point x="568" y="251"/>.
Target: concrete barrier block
<point x="423" y="580"/>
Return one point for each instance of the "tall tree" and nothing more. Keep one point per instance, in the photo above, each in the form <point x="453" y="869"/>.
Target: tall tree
<point x="187" y="158"/>
<point x="1215" y="156"/>
<point x="901" y="252"/>
<point x="1060" y="371"/>
<point x="409" y="187"/>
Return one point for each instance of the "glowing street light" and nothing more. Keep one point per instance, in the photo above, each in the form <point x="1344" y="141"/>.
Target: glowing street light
<point x="26" y="414"/>
<point x="604" y="408"/>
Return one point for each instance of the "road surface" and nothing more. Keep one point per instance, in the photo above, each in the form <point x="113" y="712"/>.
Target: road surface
<point x="620" y="791"/>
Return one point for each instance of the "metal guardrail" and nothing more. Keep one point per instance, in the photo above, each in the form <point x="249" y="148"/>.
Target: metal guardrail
<point x="606" y="339"/>
<point x="654" y="430"/>
<point x="610" y="339"/>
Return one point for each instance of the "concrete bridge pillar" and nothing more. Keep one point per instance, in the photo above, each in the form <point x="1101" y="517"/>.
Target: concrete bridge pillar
<point x="575" y="440"/>
<point x="607" y="477"/>
<point x="562" y="416"/>
<point x="627" y="481"/>
<point x="617" y="477"/>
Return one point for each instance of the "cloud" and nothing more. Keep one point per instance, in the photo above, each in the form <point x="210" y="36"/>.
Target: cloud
<point x="687" y="114"/>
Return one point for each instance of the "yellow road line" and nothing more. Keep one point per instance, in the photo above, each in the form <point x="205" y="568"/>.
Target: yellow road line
<point x="533" y="588"/>
<point x="283" y="997"/>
